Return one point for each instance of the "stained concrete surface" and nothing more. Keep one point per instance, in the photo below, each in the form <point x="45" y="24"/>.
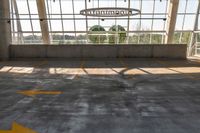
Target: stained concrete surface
<point x="102" y="96"/>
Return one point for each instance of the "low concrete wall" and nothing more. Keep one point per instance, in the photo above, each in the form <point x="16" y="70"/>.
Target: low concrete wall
<point x="99" y="51"/>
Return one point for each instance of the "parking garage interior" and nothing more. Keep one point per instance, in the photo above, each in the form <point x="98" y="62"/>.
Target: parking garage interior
<point x="97" y="66"/>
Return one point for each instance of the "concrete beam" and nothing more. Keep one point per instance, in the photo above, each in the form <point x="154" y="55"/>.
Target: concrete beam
<point x="5" y="30"/>
<point x="171" y="20"/>
<point x="43" y="21"/>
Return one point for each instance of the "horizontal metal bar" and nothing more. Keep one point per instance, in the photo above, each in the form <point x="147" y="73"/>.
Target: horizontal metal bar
<point x="41" y="19"/>
<point x="76" y="14"/>
<point x="154" y="31"/>
<point x="86" y="32"/>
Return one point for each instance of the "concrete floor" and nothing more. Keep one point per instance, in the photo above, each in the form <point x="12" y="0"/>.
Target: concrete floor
<point x="102" y="96"/>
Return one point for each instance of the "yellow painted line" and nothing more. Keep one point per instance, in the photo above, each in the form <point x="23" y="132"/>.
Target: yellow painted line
<point x="39" y="92"/>
<point x="126" y="67"/>
<point x="82" y="64"/>
<point x="40" y="64"/>
<point x="17" y="128"/>
<point x="185" y="74"/>
<point x="82" y="67"/>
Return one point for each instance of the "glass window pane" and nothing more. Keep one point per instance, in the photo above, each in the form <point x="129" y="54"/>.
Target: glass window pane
<point x="22" y="6"/>
<point x="134" y="25"/>
<point x="160" y="6"/>
<point x="158" y="24"/>
<point x="33" y="6"/>
<point x="66" y="6"/>
<point x="68" y="25"/>
<point x="192" y="6"/>
<point x="56" y="25"/>
<point x="189" y="22"/>
<point x="179" y="22"/>
<point x="147" y="7"/>
<point x="181" y="7"/>
<point x="80" y="25"/>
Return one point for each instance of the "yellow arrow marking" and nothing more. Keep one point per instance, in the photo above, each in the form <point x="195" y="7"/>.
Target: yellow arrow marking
<point x="17" y="128"/>
<point x="39" y="92"/>
<point x="82" y="67"/>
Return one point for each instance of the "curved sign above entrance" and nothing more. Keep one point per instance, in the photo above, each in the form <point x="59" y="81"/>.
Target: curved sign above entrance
<point x="110" y="12"/>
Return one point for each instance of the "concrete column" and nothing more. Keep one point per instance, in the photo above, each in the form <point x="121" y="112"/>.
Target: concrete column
<point x="5" y="30"/>
<point x="19" y="26"/>
<point x="171" y="20"/>
<point x="192" y="48"/>
<point x="43" y="21"/>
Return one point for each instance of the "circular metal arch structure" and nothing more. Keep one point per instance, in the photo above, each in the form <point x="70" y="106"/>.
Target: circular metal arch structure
<point x="110" y="12"/>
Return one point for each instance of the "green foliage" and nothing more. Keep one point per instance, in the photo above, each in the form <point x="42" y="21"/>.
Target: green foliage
<point x="121" y="35"/>
<point x="133" y="39"/>
<point x="198" y="37"/>
<point x="144" y="38"/>
<point x="156" y="38"/>
<point x="176" y="38"/>
<point x="96" y="37"/>
<point x="186" y="37"/>
<point x="182" y="37"/>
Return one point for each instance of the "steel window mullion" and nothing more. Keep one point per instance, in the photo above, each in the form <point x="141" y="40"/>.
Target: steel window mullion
<point x="13" y="21"/>
<point x="164" y="27"/>
<point x="183" y="23"/>
<point x="102" y="32"/>
<point x="141" y="14"/>
<point x="98" y="19"/>
<point x="111" y="18"/>
<point x="140" y="21"/>
<point x="29" y="13"/>
<point x="49" y="15"/>
<point x="128" y="24"/>
<point x="61" y="16"/>
<point x="86" y="18"/>
<point x="74" y="19"/>
<point x="152" y="22"/>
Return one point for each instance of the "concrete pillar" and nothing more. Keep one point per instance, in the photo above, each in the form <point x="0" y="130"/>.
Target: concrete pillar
<point x="171" y="20"/>
<point x="192" y="48"/>
<point x="43" y="21"/>
<point x="20" y="39"/>
<point x="5" y="30"/>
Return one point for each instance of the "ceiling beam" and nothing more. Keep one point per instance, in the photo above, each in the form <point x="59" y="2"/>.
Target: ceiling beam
<point x="5" y="29"/>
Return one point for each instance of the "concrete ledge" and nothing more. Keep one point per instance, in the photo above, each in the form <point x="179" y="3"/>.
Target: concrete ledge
<point x="140" y="51"/>
<point x="170" y="51"/>
<point x="28" y="51"/>
<point x="63" y="51"/>
<point x="99" y="51"/>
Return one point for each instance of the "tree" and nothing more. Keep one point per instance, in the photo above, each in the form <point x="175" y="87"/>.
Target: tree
<point x="95" y="35"/>
<point x="121" y="35"/>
